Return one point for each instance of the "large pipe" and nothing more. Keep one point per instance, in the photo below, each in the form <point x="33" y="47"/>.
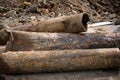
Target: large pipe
<point x="27" y="41"/>
<point x="82" y="75"/>
<point x="4" y="35"/>
<point x="71" y="24"/>
<point x="59" y="60"/>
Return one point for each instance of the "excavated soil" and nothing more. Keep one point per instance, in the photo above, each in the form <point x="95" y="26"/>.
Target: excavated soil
<point x="20" y="12"/>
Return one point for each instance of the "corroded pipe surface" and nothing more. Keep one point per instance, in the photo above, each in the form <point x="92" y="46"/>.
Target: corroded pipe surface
<point x="59" y="60"/>
<point x="71" y="24"/>
<point x="27" y="41"/>
<point x="81" y="75"/>
<point x="4" y="35"/>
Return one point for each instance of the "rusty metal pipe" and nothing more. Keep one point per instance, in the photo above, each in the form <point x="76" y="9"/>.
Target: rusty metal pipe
<point x="71" y="24"/>
<point x="84" y="75"/>
<point x="27" y="41"/>
<point x="59" y="60"/>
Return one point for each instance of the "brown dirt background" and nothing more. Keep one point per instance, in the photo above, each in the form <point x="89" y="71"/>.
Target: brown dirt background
<point x="20" y="12"/>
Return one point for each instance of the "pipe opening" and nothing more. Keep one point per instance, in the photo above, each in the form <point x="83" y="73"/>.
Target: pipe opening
<point x="85" y="20"/>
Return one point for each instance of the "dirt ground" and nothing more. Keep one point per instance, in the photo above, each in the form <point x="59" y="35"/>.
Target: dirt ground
<point x="20" y="12"/>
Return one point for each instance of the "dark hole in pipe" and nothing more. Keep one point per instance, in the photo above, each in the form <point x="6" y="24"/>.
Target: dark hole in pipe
<point x="85" y="19"/>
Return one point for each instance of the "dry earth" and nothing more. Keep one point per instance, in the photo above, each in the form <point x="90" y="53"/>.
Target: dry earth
<point x="20" y="12"/>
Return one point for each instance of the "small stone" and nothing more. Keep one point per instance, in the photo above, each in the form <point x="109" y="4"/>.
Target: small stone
<point x="1" y="14"/>
<point x="43" y="11"/>
<point x="33" y="1"/>
<point x="40" y="0"/>
<point x="59" y="14"/>
<point x="3" y="9"/>
<point x="3" y="26"/>
<point x="52" y="14"/>
<point x="33" y="9"/>
<point x="117" y="22"/>
<point x="112" y="15"/>
<point x="33" y="17"/>
<point x="11" y="13"/>
<point x="75" y="12"/>
<point x="2" y="1"/>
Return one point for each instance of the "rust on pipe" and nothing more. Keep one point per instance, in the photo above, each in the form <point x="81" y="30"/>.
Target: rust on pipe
<point x="96" y="30"/>
<point x="59" y="60"/>
<point x="71" y="24"/>
<point x="84" y="75"/>
<point x="27" y="41"/>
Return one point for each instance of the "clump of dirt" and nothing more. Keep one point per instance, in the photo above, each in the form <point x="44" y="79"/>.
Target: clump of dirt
<point x="20" y="12"/>
<point x="111" y="6"/>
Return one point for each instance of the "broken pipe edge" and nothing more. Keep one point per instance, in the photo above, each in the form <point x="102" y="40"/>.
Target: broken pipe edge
<point x="9" y="42"/>
<point x="4" y="37"/>
<point x="85" y="19"/>
<point x="76" y="23"/>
